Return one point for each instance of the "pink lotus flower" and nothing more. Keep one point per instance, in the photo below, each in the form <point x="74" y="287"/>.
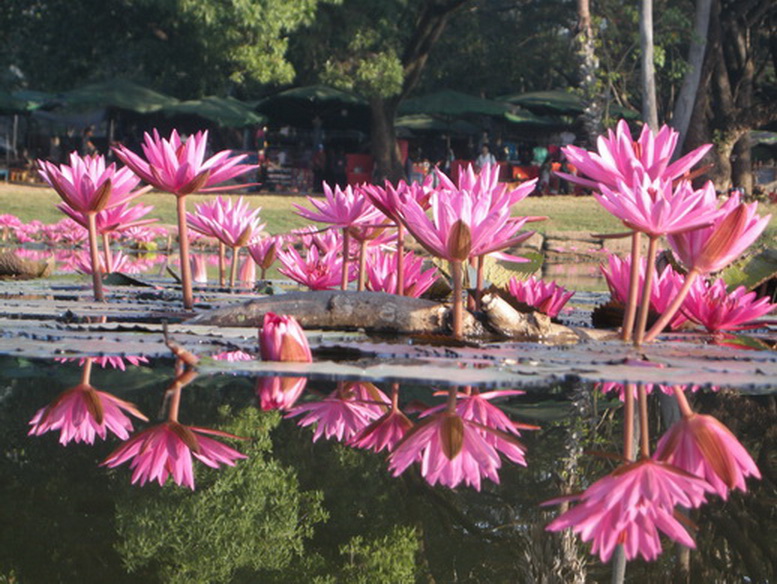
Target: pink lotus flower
<point x="87" y="185"/>
<point x="233" y="356"/>
<point x="712" y="248"/>
<point x="83" y="412"/>
<point x="316" y="271"/>
<point x="281" y="338"/>
<point x="64" y="232"/>
<point x="231" y="221"/>
<point x="485" y="185"/>
<point x="279" y="393"/>
<point x="382" y="273"/>
<point x="713" y="307"/>
<point x="666" y="285"/>
<point x="656" y="207"/>
<point x="630" y="506"/>
<point x="181" y="168"/>
<point x="619" y="155"/>
<point x="167" y="449"/>
<point x="264" y="251"/>
<point x="384" y="433"/>
<point x="341" y="208"/>
<point x="389" y="199"/>
<point x="546" y="297"/>
<point x="703" y="447"/>
<point x="343" y="413"/>
<point x="115" y="219"/>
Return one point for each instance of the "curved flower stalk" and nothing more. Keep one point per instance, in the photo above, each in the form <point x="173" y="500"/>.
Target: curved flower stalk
<point x="181" y="169"/>
<point x="316" y="271"/>
<point x="546" y="297"/>
<point x="711" y="249"/>
<point x="82" y="412"/>
<point x="383" y="273"/>
<point x="342" y="208"/>
<point x="631" y="506"/>
<point x="618" y="154"/>
<point x="714" y="308"/>
<point x="348" y="409"/>
<point x="231" y="221"/>
<point x="703" y="447"/>
<point x="666" y="285"/>
<point x="88" y="186"/>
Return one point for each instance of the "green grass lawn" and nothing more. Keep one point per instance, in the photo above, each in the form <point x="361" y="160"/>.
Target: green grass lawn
<point x="565" y="213"/>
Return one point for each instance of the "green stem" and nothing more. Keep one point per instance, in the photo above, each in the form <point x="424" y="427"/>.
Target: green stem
<point x="183" y="243"/>
<point x="672" y="309"/>
<point x="644" y="307"/>
<point x="97" y="277"/>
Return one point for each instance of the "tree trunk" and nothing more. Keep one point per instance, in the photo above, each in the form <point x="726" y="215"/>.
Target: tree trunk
<point x="385" y="151"/>
<point x="741" y="164"/>
<point x="649" y="104"/>
<point x="684" y="105"/>
<point x="593" y="110"/>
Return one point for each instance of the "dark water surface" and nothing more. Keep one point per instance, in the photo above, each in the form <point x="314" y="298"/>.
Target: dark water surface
<point x="297" y="511"/>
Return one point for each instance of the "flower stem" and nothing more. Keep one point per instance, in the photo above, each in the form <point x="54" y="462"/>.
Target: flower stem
<point x="450" y="405"/>
<point x="644" y="449"/>
<point x="631" y="301"/>
<point x="222" y="264"/>
<point x="400" y="259"/>
<point x="362" y="264"/>
<point x="97" y="277"/>
<point x="175" y="403"/>
<point x="672" y="309"/>
<point x="183" y="243"/>
<point x="86" y="372"/>
<point x="628" y="422"/>
<point x="107" y="252"/>
<point x="479" y="280"/>
<point x="458" y="303"/>
<point x="395" y="397"/>
<point x="644" y="307"/>
<point x="346" y="254"/>
<point x="682" y="401"/>
<point x="233" y="268"/>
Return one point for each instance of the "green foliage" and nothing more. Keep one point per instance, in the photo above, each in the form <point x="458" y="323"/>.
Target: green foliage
<point x="251" y="518"/>
<point x="385" y="560"/>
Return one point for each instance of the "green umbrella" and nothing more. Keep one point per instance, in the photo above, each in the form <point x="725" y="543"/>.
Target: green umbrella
<point x="224" y="111"/>
<point x="425" y="123"/>
<point x="547" y="102"/>
<point x="527" y="119"/>
<point x="452" y="103"/>
<point x="299" y="106"/>
<point x="117" y="94"/>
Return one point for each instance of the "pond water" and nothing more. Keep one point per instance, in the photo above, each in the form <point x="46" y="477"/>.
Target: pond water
<point x="297" y="510"/>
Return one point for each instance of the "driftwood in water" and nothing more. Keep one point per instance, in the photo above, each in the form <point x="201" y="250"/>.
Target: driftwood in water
<point x="335" y="309"/>
<point x="507" y="321"/>
<point x="12" y="266"/>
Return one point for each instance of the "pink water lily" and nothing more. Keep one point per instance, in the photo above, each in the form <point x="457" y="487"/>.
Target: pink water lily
<point x="114" y="219"/>
<point x="281" y="338"/>
<point x="279" y="393"/>
<point x="714" y="308"/>
<point x="619" y="155"/>
<point x="631" y="506"/>
<point x="546" y="297"/>
<point x="317" y="271"/>
<point x="264" y="251"/>
<point x="167" y="450"/>
<point x="341" y="208"/>
<point x="382" y="273"/>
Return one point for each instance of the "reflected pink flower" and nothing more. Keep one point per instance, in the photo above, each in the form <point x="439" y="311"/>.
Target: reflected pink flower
<point x="140" y="234"/>
<point x="120" y="263"/>
<point x="343" y="413"/>
<point x="546" y="297"/>
<point x="666" y="285"/>
<point x="181" y="168"/>
<point x="619" y="155"/>
<point x="281" y="338"/>
<point x="451" y="450"/>
<point x="712" y="248"/>
<point x="382" y="273"/>
<point x="199" y="268"/>
<point x="233" y="356"/>
<point x="714" y="308"/>
<point x="657" y="207"/>
<point x="87" y="185"/>
<point x="384" y="433"/>
<point x="113" y="361"/>
<point x="167" y="449"/>
<point x="703" y="447"/>
<point x="316" y="271"/>
<point x="83" y="412"/>
<point x="64" y="232"/>
<point x="279" y="393"/>
<point x="630" y="506"/>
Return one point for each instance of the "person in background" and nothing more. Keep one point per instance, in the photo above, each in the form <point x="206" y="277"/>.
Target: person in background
<point x="485" y="157"/>
<point x="87" y="145"/>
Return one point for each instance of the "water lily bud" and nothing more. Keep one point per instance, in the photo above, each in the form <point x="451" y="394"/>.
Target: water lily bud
<point x="282" y="339"/>
<point x="459" y="241"/>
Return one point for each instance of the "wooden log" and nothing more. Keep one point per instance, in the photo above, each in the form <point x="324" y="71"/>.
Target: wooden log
<point x="531" y="326"/>
<point x="343" y="310"/>
<point x="12" y="266"/>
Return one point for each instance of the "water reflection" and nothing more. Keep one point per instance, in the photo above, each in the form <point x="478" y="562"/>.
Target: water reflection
<point x="295" y="510"/>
